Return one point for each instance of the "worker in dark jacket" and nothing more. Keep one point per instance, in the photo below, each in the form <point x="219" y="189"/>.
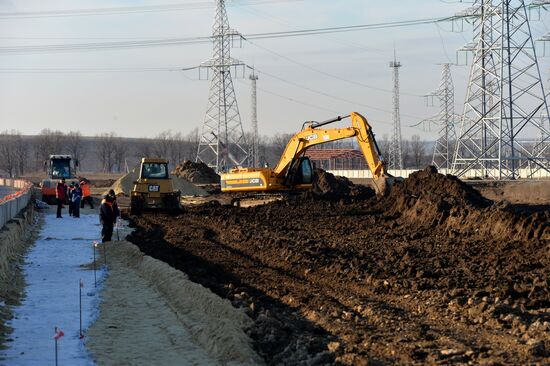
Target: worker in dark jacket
<point x="60" y="195"/>
<point x="115" y="204"/>
<point x="76" y="198"/>
<point x="70" y="192"/>
<point x="107" y="217"/>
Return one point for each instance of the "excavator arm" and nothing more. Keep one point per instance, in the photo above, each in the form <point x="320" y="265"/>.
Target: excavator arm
<point x="313" y="135"/>
<point x="307" y="138"/>
<point x="368" y="145"/>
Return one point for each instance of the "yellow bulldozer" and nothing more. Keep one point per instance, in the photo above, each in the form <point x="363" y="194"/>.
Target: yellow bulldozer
<point x="154" y="189"/>
<point x="294" y="170"/>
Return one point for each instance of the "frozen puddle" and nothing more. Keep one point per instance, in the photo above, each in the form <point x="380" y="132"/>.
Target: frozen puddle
<point x="52" y="272"/>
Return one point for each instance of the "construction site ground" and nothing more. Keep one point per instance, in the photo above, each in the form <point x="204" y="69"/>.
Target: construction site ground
<point x="432" y="274"/>
<point x="140" y="313"/>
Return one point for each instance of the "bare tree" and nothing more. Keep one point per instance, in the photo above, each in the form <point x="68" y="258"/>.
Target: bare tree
<point x="120" y="152"/>
<point x="279" y="142"/>
<point x="49" y="142"/>
<point x="418" y="150"/>
<point x="22" y="148"/>
<point x="143" y="147"/>
<point x="75" y="147"/>
<point x="177" y="149"/>
<point x="192" y="140"/>
<point x="106" y="150"/>
<point x="8" y="152"/>
<point x="162" y="144"/>
<point x="406" y="151"/>
<point x="384" y="146"/>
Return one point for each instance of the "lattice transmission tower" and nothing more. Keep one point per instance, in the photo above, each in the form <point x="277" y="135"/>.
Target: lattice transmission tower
<point x="445" y="121"/>
<point x="395" y="152"/>
<point x="222" y="140"/>
<point x="501" y="136"/>
<point x="254" y="146"/>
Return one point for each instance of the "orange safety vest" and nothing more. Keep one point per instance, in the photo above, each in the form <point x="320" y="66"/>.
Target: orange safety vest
<point x="85" y="189"/>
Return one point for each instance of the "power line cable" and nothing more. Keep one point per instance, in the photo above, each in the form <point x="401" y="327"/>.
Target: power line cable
<point x="294" y="100"/>
<point x="329" y="74"/>
<point x="87" y="70"/>
<point x="129" y="9"/>
<point x="32" y="49"/>
<point x="325" y="94"/>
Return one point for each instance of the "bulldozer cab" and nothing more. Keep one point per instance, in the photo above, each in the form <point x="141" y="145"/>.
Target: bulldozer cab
<point x="154" y="188"/>
<point x="154" y="170"/>
<point x="300" y="173"/>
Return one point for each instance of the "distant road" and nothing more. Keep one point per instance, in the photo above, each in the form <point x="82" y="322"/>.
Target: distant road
<point x="4" y="190"/>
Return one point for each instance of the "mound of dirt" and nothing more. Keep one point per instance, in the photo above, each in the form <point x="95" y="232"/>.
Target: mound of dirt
<point x="429" y="184"/>
<point x="428" y="199"/>
<point x="125" y="184"/>
<point x="329" y="186"/>
<point x="198" y="173"/>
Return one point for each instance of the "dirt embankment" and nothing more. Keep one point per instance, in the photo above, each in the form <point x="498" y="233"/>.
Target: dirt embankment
<point x="432" y="274"/>
<point x="15" y="239"/>
<point x="171" y="320"/>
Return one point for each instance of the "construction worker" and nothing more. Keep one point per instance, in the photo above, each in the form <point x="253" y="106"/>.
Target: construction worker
<point x="115" y="204"/>
<point x="86" y="195"/>
<point x="76" y="198"/>
<point x="61" y="196"/>
<point x="107" y="218"/>
<point x="70" y="192"/>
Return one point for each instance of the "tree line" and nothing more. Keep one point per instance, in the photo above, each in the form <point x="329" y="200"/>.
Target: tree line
<point x="110" y="153"/>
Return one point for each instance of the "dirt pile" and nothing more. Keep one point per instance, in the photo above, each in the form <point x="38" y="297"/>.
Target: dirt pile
<point x="431" y="200"/>
<point x="329" y="186"/>
<point x="198" y="173"/>
<point x="431" y="274"/>
<point x="125" y="184"/>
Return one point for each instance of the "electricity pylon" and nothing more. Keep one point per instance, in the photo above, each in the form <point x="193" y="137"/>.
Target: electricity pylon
<point x="501" y="136"/>
<point x="445" y="121"/>
<point x="255" y="153"/>
<point x="395" y="152"/>
<point x="222" y="140"/>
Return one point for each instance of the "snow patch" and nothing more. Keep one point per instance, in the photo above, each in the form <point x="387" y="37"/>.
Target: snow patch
<point x="53" y="271"/>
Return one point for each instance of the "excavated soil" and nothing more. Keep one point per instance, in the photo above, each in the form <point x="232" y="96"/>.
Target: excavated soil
<point x="198" y="173"/>
<point x="329" y="186"/>
<point x="431" y="274"/>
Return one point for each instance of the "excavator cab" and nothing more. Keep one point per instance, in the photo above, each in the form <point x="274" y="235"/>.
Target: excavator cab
<point x="300" y="173"/>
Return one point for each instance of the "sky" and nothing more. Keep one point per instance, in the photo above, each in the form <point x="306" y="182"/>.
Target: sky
<point x="304" y="78"/>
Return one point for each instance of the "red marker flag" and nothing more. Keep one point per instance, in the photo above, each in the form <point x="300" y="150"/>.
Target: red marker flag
<point x="58" y="333"/>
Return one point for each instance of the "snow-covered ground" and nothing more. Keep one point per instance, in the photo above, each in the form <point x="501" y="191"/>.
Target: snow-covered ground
<point x="52" y="272"/>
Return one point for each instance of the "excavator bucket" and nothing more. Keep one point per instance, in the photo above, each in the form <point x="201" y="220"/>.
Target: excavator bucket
<point x="382" y="185"/>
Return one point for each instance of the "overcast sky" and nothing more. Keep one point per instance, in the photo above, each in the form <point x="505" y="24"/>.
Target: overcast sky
<point x="301" y="78"/>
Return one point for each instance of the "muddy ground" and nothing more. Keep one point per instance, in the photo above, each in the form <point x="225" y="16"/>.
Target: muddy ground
<point x="432" y="274"/>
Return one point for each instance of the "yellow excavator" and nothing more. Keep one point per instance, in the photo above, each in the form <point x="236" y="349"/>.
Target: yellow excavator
<point x="294" y="170"/>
